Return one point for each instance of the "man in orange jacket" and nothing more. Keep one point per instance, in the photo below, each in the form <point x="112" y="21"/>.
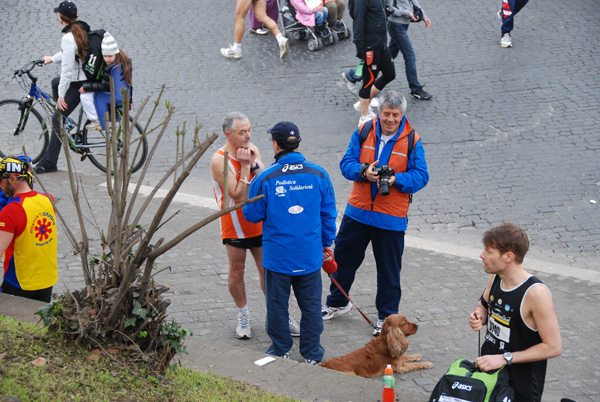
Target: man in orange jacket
<point x="370" y="215"/>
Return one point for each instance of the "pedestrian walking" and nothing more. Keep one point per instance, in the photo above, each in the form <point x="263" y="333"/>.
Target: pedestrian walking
<point x="370" y="36"/>
<point x="260" y="9"/>
<point x="400" y="14"/>
<point x="507" y="13"/>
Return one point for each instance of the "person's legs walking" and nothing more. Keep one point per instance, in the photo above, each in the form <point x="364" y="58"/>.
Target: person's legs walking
<point x="399" y="41"/>
<point x="260" y="9"/>
<point x="277" y="295"/>
<point x="307" y="289"/>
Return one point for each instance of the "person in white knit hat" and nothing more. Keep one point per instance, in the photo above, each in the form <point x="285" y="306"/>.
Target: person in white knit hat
<point x="95" y="95"/>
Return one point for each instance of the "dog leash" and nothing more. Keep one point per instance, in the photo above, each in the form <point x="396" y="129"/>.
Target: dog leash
<point x="353" y="303"/>
<point x="330" y="266"/>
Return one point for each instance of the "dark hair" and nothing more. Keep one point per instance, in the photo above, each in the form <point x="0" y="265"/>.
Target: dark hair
<point x="79" y="34"/>
<point x="289" y="144"/>
<point x="508" y="237"/>
<point x="125" y="62"/>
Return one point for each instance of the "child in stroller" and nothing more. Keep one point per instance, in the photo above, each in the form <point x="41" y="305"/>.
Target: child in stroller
<point x="304" y="18"/>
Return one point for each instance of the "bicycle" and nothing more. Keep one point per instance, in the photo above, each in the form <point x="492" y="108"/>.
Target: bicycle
<point x="18" y="130"/>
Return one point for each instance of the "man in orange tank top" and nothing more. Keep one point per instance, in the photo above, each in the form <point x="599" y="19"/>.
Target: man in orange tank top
<point x="239" y="235"/>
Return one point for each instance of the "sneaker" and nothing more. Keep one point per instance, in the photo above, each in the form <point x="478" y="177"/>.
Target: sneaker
<point x="377" y="329"/>
<point x="294" y="327"/>
<point x="368" y="117"/>
<point x="374" y="104"/>
<point x="243" y="329"/>
<point x="311" y="362"/>
<point x="357" y="106"/>
<point x="285" y="356"/>
<point x="284" y="48"/>
<point x="421" y="94"/>
<point x="259" y="31"/>
<point x="353" y="87"/>
<point x="329" y="312"/>
<point x="506" y="40"/>
<point x="93" y="125"/>
<point x="231" y="53"/>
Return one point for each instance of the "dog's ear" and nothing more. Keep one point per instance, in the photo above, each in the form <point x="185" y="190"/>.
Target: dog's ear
<point x="396" y="341"/>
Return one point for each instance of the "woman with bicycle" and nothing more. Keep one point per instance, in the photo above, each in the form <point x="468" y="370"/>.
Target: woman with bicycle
<point x="65" y="88"/>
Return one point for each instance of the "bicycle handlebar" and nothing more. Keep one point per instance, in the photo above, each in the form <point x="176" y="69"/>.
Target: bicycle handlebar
<point x="27" y="70"/>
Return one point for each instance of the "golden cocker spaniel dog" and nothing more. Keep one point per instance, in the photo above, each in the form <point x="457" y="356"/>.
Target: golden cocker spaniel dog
<point x="387" y="348"/>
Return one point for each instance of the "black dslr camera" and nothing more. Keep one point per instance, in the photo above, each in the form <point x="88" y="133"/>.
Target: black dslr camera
<point x="385" y="173"/>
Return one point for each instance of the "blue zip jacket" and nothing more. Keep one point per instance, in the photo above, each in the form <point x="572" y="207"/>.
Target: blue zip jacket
<point x="411" y="181"/>
<point x="298" y="214"/>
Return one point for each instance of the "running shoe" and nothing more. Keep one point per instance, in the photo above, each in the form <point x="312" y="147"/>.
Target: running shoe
<point x="329" y="312"/>
<point x="243" y="329"/>
<point x="294" y="327"/>
<point x="377" y="329"/>
<point x="229" y="52"/>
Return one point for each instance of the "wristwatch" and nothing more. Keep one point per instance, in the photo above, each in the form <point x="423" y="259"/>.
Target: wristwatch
<point x="509" y="358"/>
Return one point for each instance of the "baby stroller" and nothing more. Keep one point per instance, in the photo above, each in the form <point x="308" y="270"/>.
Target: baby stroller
<point x="291" y="27"/>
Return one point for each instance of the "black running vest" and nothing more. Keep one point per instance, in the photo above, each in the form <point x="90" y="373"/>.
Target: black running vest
<point x="507" y="332"/>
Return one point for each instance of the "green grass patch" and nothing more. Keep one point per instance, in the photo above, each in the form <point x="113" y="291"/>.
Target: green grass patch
<point x="73" y="373"/>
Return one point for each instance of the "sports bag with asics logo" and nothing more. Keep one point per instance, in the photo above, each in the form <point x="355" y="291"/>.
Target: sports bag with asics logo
<point x="466" y="383"/>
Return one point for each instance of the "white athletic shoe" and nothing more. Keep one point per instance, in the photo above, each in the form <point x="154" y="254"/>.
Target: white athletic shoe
<point x="231" y="53"/>
<point x="284" y="48"/>
<point x="506" y="40"/>
<point x="294" y="327"/>
<point x="329" y="312"/>
<point x="243" y="329"/>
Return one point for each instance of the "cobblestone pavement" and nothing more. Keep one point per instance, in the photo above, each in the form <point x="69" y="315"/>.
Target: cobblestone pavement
<point x="511" y="135"/>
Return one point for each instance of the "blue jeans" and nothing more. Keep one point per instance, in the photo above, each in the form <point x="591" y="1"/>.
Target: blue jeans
<point x="400" y="42"/>
<point x="351" y="241"/>
<point x="321" y="16"/>
<point x="307" y="289"/>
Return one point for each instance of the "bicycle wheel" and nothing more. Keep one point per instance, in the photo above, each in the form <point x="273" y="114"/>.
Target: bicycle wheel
<point x="33" y="135"/>
<point x="95" y="145"/>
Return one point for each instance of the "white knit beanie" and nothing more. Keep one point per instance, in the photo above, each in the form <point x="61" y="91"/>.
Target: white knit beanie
<point x="109" y="45"/>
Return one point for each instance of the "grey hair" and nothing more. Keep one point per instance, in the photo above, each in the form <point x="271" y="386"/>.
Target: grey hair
<point x="393" y="100"/>
<point x="230" y="119"/>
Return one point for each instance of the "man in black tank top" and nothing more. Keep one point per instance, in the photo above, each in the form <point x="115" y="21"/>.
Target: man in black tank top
<point x="522" y="329"/>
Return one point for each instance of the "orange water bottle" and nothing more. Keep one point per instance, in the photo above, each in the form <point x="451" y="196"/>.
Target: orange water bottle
<point x="388" y="385"/>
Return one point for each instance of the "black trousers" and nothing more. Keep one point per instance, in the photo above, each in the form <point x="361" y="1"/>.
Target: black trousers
<point x="72" y="99"/>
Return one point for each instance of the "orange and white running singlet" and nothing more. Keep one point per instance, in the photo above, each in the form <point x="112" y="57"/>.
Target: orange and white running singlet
<point x="233" y="224"/>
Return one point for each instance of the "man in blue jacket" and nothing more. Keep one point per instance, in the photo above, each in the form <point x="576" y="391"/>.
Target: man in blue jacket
<point x="298" y="214"/>
<point x="371" y="216"/>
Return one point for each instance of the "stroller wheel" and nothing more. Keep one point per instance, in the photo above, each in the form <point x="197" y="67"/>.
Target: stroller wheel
<point x="320" y="43"/>
<point x="327" y="40"/>
<point x="313" y="45"/>
<point x="341" y="35"/>
<point x="348" y="34"/>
